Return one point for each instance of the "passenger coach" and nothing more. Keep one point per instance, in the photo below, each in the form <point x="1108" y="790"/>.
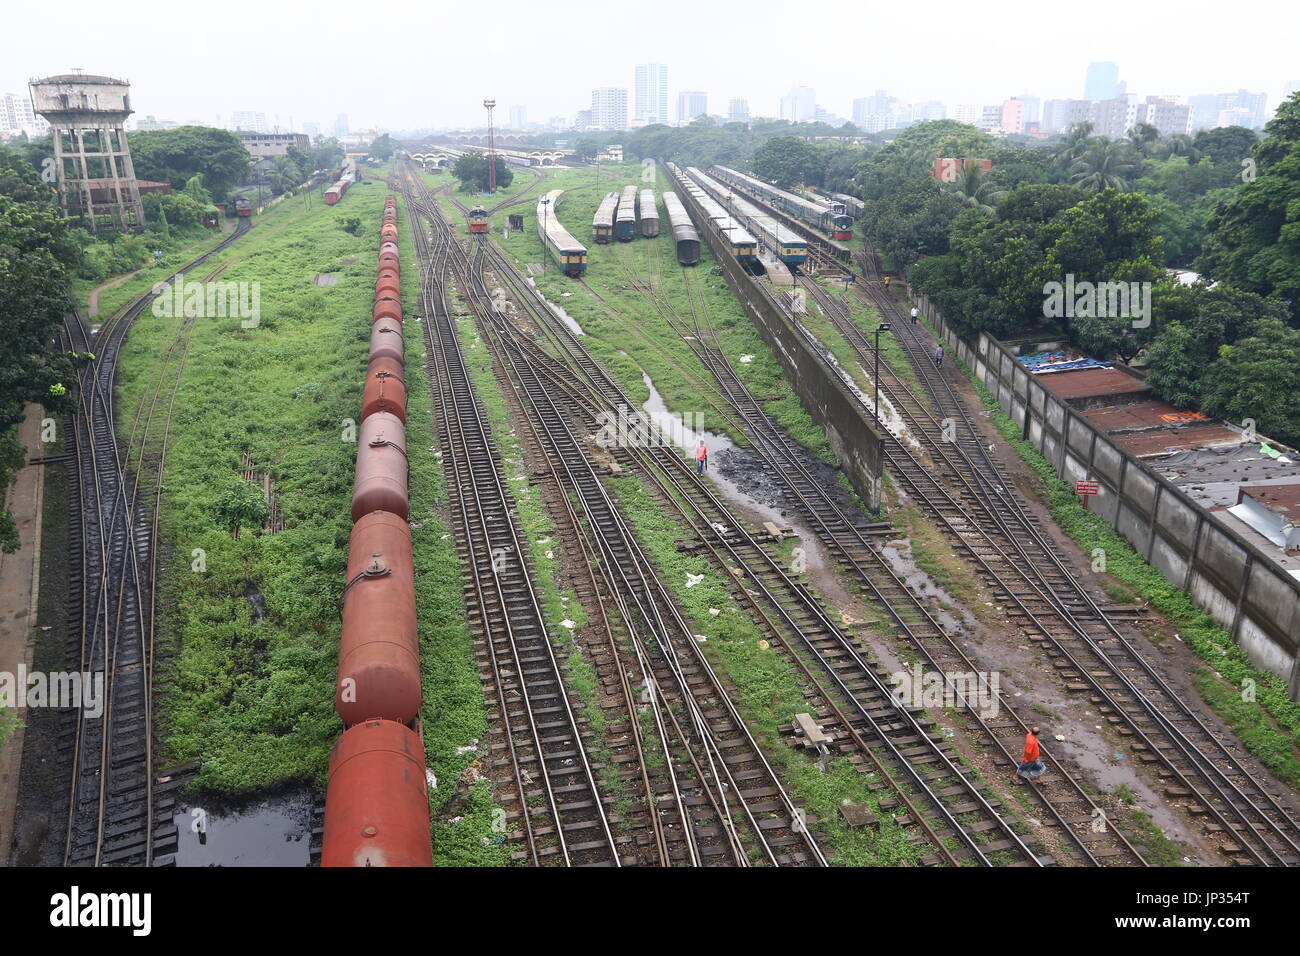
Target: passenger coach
<point x="569" y="254"/>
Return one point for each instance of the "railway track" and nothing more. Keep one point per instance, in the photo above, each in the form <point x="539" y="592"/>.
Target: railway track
<point x="724" y="802"/>
<point x="112" y="584"/>
<point x="787" y="608"/>
<point x="557" y="801"/>
<point x="965" y="491"/>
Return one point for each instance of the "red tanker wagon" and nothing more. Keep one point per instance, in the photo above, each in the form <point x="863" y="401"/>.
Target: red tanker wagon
<point x="384" y="392"/>
<point x="386" y="342"/>
<point x="379" y="648"/>
<point x="388" y="307"/>
<point x="377" y="803"/>
<point x="381" y="468"/>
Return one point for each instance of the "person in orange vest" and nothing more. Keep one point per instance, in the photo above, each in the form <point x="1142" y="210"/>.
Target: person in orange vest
<point x="1031" y="765"/>
<point x="701" y="457"/>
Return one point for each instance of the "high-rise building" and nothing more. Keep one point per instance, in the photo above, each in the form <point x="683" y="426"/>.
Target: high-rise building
<point x="1167" y="116"/>
<point x="691" y="104"/>
<point x="1243" y="109"/>
<point x="1114" y="117"/>
<point x="341" y="125"/>
<point x="1061" y="115"/>
<point x="518" y="117"/>
<point x="968" y="113"/>
<point x="1101" y="81"/>
<point x="249" y="121"/>
<point x="929" y="110"/>
<point x="990" y="118"/>
<point x="651" y="104"/>
<point x="1033" y="109"/>
<point x="609" y="108"/>
<point x="312" y="130"/>
<point x="738" y="110"/>
<point x="17" y="116"/>
<point x="799" y="105"/>
<point x="1011" y="122"/>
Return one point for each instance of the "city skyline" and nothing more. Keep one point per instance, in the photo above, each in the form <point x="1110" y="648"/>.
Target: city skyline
<point x="951" y="62"/>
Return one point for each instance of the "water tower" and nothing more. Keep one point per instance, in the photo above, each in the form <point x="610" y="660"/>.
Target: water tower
<point x="92" y="162"/>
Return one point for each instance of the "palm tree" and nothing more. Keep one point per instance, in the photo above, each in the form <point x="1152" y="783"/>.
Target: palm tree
<point x="1072" y="144"/>
<point x="1103" y="164"/>
<point x="1142" y="139"/>
<point x="975" y="188"/>
<point x="1180" y="144"/>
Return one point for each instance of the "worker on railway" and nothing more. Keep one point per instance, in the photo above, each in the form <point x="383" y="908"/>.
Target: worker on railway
<point x="1031" y="764"/>
<point x="701" y="457"/>
<point x="886" y="282"/>
<point x="915" y="313"/>
<point x="938" y="356"/>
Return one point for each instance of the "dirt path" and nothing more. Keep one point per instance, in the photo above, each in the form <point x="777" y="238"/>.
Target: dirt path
<point x="19" y="590"/>
<point x="92" y="297"/>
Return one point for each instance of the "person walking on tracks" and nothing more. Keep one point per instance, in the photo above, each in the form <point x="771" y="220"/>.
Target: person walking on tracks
<point x="1031" y="764"/>
<point x="938" y="356"/>
<point x="701" y="457"/>
<point x="915" y="313"/>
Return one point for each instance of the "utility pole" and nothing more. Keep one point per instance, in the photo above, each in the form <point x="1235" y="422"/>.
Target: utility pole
<point x="882" y="327"/>
<point x="492" y="150"/>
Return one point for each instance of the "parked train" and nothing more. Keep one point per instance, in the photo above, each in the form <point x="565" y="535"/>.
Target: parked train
<point x="685" y="238"/>
<point x="478" y="219"/>
<point x="569" y="254"/>
<point x="647" y="213"/>
<point x="818" y="213"/>
<point x="625" y="218"/>
<point x="376" y="801"/>
<point x="779" y="239"/>
<point x="243" y="206"/>
<point x="602" y="224"/>
<point x="742" y="244"/>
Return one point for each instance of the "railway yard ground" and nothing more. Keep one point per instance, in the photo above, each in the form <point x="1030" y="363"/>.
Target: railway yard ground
<point x="623" y="661"/>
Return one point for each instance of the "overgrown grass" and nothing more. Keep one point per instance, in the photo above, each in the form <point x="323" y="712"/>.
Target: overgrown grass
<point x="253" y="699"/>
<point x="765" y="691"/>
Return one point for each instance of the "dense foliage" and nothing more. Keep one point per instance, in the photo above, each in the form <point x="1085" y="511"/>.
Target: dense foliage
<point x="1085" y="208"/>
<point x="472" y="171"/>
<point x="37" y="256"/>
<point x="178" y="155"/>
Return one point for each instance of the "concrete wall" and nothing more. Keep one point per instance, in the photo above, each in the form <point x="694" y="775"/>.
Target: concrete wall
<point x="1235" y="582"/>
<point x="824" y="395"/>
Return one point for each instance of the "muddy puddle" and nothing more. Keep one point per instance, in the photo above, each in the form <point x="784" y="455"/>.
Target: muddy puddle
<point x="272" y="831"/>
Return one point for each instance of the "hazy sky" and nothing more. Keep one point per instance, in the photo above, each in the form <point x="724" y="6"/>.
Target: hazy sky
<point x="432" y="63"/>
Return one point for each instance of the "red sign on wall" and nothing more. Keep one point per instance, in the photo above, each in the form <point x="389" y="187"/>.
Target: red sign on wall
<point x="1086" y="488"/>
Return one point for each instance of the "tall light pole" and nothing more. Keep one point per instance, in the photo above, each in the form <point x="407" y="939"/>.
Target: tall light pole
<point x="546" y="208"/>
<point x="882" y="327"/>
<point x="492" y="150"/>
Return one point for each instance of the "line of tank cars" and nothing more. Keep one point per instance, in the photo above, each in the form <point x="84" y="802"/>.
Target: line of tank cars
<point x="828" y="215"/>
<point x="377" y="803"/>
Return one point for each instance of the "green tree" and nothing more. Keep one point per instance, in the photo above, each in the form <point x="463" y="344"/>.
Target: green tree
<point x="1258" y="377"/>
<point x="1226" y="146"/>
<point x="787" y="161"/>
<point x="176" y="155"/>
<point x="472" y="171"/>
<point x="1103" y="164"/>
<point x="241" y="504"/>
<point x="1254" y="233"/>
<point x="383" y="147"/>
<point x="37" y="256"/>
